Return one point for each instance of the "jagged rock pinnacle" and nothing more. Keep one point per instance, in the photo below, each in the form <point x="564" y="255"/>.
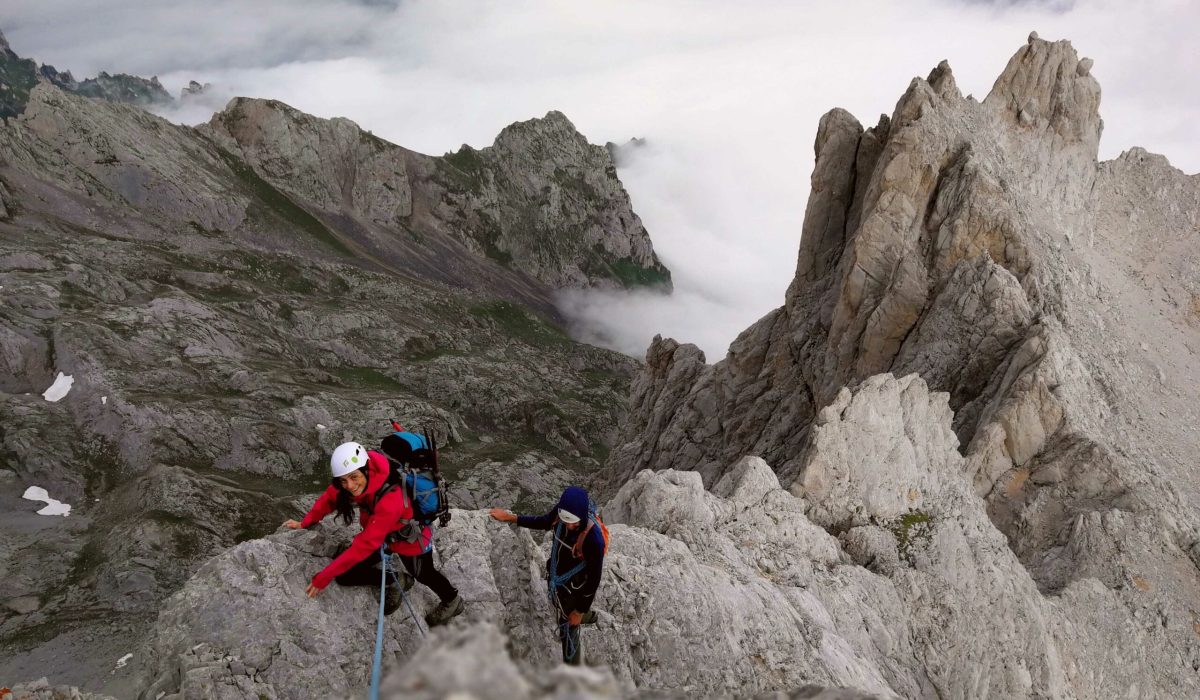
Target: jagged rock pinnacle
<point x="981" y="246"/>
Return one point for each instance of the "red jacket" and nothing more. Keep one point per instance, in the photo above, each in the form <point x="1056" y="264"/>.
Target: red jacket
<point x="390" y="513"/>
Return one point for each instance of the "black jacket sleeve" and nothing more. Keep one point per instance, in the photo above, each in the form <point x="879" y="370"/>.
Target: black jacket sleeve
<point x="538" y="522"/>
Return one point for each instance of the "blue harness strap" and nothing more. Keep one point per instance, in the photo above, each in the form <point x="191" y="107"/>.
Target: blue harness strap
<point x="571" y="637"/>
<point x="555" y="581"/>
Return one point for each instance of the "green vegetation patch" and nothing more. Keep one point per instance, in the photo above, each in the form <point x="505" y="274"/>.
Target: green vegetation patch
<point x="600" y="452"/>
<point x="278" y="272"/>
<point x="370" y="139"/>
<point x="488" y="238"/>
<point x="631" y="274"/>
<point x="596" y="378"/>
<point x="575" y="182"/>
<point x="515" y="322"/>
<point x="368" y="378"/>
<point x="465" y="170"/>
<point x="505" y="450"/>
<point x="104" y="468"/>
<point x="278" y="203"/>
<point x="909" y="528"/>
<point x="17" y="77"/>
<point x="627" y="271"/>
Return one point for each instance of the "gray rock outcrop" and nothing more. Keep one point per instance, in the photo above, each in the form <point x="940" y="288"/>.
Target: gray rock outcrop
<point x="42" y="690"/>
<point x="541" y="199"/>
<point x="472" y="661"/>
<point x="224" y="333"/>
<point x="971" y="418"/>
<point x="741" y="590"/>
<point x="981" y="246"/>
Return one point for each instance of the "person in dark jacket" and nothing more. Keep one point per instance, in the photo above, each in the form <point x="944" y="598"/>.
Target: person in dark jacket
<point x="358" y="476"/>
<point x="575" y="565"/>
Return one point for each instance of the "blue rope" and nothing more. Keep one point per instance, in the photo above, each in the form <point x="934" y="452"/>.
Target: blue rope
<point x="564" y="633"/>
<point x="554" y="581"/>
<point x="383" y="561"/>
<point x="384" y="567"/>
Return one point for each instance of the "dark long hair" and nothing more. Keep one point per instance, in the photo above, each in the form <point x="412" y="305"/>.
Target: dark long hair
<point x="345" y="501"/>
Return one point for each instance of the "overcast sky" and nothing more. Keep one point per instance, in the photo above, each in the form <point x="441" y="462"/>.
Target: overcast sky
<point x="728" y="96"/>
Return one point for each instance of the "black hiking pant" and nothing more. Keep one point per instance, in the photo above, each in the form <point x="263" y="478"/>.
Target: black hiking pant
<point x="568" y="635"/>
<point x="366" y="573"/>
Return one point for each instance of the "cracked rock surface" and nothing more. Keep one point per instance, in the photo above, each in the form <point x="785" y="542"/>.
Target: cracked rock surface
<point x="742" y="589"/>
<point x="981" y="246"/>
<point x="233" y="301"/>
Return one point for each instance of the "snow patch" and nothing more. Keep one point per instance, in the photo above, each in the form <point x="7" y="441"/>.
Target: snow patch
<point x="124" y="660"/>
<point x="320" y="427"/>
<point x="103" y="400"/>
<point x="59" y="388"/>
<point x="53" y="507"/>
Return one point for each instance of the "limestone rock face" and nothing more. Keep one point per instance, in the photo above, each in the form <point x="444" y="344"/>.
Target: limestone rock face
<point x="853" y="481"/>
<point x="330" y="163"/>
<point x="471" y="661"/>
<point x="225" y="333"/>
<point x="121" y="156"/>
<point x="541" y="200"/>
<point x="743" y="589"/>
<point x="1051" y="298"/>
<point x="547" y="179"/>
<point x="43" y="690"/>
<point x="122" y="87"/>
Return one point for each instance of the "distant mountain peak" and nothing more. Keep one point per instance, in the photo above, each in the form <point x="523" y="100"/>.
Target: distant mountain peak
<point x="19" y="75"/>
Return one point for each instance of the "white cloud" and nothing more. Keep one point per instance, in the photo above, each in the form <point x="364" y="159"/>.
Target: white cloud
<point x="728" y="96"/>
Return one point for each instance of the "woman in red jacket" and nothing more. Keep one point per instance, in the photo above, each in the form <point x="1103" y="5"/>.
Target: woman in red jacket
<point x="358" y="476"/>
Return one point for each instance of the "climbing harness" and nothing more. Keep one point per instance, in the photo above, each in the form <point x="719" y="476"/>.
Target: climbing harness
<point x="385" y="566"/>
<point x="571" y="639"/>
<point x="555" y="581"/>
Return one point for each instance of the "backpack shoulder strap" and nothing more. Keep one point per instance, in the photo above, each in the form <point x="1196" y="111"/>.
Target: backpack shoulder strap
<point x="384" y="490"/>
<point x="593" y="521"/>
<point x="603" y="533"/>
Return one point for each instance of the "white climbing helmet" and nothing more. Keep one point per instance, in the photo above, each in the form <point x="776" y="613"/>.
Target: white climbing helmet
<point x="347" y="457"/>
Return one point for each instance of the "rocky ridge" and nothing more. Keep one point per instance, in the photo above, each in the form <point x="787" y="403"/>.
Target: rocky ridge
<point x="976" y="476"/>
<point x="18" y="76"/>
<point x="981" y="246"/>
<point x="541" y="199"/>
<point x="738" y="590"/>
<point x="224" y="333"/>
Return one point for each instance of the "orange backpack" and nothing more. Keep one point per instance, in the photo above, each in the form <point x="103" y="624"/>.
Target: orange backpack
<point x="594" y="520"/>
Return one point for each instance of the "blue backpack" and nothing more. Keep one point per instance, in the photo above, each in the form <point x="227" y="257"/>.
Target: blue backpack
<point x="414" y="464"/>
<point x="422" y="492"/>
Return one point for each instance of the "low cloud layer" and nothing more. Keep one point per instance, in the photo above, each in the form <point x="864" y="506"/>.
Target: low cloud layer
<point x="727" y="97"/>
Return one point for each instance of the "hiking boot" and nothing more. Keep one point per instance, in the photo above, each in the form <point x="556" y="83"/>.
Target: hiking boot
<point x="444" y="611"/>
<point x="589" y="618"/>
<point x="395" y="592"/>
